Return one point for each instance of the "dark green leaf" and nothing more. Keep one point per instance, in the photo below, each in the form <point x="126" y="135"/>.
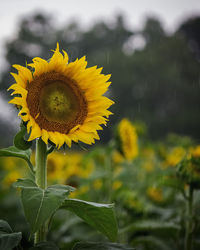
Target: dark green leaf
<point x="45" y="246"/>
<point x="15" y="152"/>
<point x="149" y="226"/>
<point x="19" y="140"/>
<point x="5" y="227"/>
<point x="39" y="204"/>
<point x="9" y="240"/>
<point x="100" y="246"/>
<point x="99" y="216"/>
<point x="155" y="243"/>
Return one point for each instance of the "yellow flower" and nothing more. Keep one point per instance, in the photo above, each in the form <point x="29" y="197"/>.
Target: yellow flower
<point x="62" y="167"/>
<point x="55" y="165"/>
<point x="9" y="163"/>
<point x="117" y="157"/>
<point x="60" y="101"/>
<point x="195" y="152"/>
<point x="148" y="166"/>
<point x="175" y="156"/>
<point x="10" y="178"/>
<point x="116" y="185"/>
<point x="97" y="184"/>
<point x="128" y="139"/>
<point x="155" y="194"/>
<point x="78" y="192"/>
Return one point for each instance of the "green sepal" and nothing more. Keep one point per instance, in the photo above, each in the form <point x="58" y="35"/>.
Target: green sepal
<point x="20" y="142"/>
<point x="99" y="216"/>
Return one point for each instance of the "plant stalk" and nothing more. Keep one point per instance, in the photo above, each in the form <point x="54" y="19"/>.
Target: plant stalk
<point x="189" y="223"/>
<point x="41" y="180"/>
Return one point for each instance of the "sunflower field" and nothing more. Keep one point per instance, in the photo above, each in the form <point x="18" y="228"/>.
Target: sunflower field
<point x="153" y="186"/>
<point x="138" y="187"/>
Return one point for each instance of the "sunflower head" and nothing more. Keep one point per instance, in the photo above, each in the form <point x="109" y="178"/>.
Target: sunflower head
<point x="60" y="101"/>
<point x="127" y="139"/>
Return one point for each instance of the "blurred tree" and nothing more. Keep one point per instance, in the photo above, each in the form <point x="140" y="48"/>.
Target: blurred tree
<point x="190" y="30"/>
<point x="35" y="37"/>
<point x="159" y="84"/>
<point x="153" y="31"/>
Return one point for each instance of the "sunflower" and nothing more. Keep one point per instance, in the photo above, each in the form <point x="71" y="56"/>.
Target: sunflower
<point x="128" y="139"/>
<point x="60" y="101"/>
<point x="155" y="194"/>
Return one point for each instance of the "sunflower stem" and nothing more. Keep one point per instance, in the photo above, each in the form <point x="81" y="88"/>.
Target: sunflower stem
<point x="41" y="180"/>
<point x="189" y="223"/>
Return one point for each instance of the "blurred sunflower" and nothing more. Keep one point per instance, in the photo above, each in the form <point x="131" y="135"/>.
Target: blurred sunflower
<point x="155" y="194"/>
<point x="174" y="157"/>
<point x="60" y="101"/>
<point x="195" y="152"/>
<point x="128" y="139"/>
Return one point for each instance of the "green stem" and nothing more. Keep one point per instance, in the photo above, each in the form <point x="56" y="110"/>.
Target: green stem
<point x="41" y="180"/>
<point x="189" y="223"/>
<point x="109" y="178"/>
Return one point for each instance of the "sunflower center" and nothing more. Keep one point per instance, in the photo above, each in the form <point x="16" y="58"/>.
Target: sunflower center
<point x="56" y="102"/>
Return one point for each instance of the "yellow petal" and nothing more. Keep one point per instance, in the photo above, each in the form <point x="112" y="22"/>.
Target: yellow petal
<point x="19" y="80"/>
<point x="45" y="136"/>
<point x="40" y="65"/>
<point x="68" y="141"/>
<point x="18" y="101"/>
<point x="35" y="132"/>
<point x="24" y="72"/>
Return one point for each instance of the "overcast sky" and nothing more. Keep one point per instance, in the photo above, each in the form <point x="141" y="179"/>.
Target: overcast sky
<point x="171" y="13"/>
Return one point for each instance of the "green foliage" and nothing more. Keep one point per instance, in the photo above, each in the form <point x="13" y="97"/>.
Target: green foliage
<point x="173" y="182"/>
<point x="151" y="243"/>
<point x="39" y="204"/>
<point x="8" y="239"/>
<point x="45" y="246"/>
<point x="189" y="171"/>
<point x="100" y="246"/>
<point x="99" y="216"/>
<point x="167" y="228"/>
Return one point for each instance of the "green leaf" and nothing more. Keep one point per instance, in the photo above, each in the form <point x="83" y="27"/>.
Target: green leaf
<point x="173" y="183"/>
<point x="39" y="204"/>
<point x="19" y="140"/>
<point x="25" y="183"/>
<point x="5" y="227"/>
<point x="100" y="246"/>
<point x="45" y="246"/>
<point x="15" y="152"/>
<point x="99" y="216"/>
<point x="149" y="226"/>
<point x="8" y="239"/>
